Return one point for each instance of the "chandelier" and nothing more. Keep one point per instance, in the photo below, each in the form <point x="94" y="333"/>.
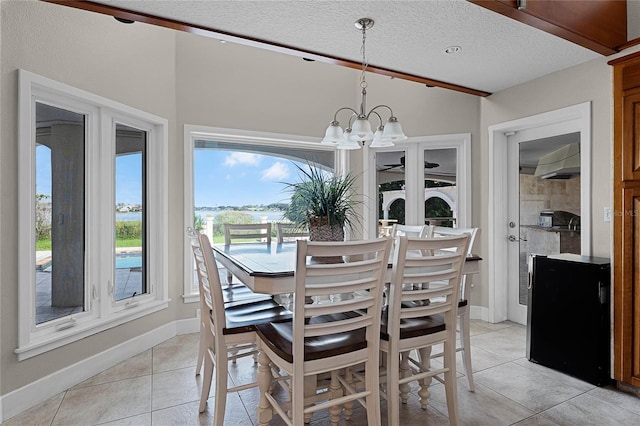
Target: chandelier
<point x="358" y="130"/>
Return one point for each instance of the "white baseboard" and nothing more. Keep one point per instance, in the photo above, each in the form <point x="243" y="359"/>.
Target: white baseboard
<point x="41" y="390"/>
<point x="479" y="312"/>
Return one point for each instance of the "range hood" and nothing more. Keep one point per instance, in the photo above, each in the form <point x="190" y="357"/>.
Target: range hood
<point x="563" y="163"/>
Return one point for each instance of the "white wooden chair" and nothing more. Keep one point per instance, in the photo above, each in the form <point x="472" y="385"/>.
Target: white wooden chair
<point x="227" y="331"/>
<point x="246" y="232"/>
<point x="327" y="337"/>
<point x="417" y="319"/>
<point x="289" y="232"/>
<point x="232" y="294"/>
<point x="463" y="304"/>
<point x="417" y="231"/>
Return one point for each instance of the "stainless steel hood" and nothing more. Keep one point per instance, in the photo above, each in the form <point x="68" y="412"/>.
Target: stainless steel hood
<point x="563" y="163"/>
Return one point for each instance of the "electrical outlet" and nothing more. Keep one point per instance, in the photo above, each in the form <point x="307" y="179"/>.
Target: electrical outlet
<point x="607" y="214"/>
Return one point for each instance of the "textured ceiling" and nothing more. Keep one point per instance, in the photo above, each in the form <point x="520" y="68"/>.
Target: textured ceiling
<point x="408" y="36"/>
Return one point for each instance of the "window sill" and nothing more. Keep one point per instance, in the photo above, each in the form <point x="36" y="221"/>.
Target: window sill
<point x="55" y="339"/>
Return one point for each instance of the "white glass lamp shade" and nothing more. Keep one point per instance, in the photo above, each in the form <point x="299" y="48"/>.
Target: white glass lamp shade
<point x="393" y="130"/>
<point x="361" y="130"/>
<point x="334" y="134"/>
<point x="347" y="142"/>
<point x="379" y="141"/>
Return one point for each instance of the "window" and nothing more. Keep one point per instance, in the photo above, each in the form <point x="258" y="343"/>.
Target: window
<point x="237" y="176"/>
<point x="86" y="161"/>
<point x="424" y="180"/>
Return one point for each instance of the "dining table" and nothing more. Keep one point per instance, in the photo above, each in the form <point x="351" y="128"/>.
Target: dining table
<point x="268" y="268"/>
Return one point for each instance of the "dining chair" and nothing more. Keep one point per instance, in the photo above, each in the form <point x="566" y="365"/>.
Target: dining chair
<point x="246" y="232"/>
<point x="289" y="232"/>
<point x="228" y="330"/>
<point x="418" y="231"/>
<point x="237" y="295"/>
<point x="419" y="318"/>
<point x="327" y="337"/>
<point x="463" y="305"/>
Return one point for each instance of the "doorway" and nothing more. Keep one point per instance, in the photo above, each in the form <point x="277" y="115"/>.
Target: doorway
<point x="503" y="282"/>
<point x="544" y="207"/>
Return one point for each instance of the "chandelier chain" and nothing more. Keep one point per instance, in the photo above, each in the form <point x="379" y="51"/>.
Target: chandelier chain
<point x="363" y="82"/>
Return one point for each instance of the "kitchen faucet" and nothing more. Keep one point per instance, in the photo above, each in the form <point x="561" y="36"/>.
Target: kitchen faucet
<point x="571" y="225"/>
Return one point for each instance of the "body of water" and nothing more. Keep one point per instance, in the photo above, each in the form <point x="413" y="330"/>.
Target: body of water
<point x="271" y="216"/>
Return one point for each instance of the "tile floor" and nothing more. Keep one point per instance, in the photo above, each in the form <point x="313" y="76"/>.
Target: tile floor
<point x="158" y="387"/>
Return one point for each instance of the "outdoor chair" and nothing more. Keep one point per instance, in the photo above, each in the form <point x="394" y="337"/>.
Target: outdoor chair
<point x="246" y="232"/>
<point x="327" y="337"/>
<point x="419" y="318"/>
<point x="228" y="330"/>
<point x="289" y="232"/>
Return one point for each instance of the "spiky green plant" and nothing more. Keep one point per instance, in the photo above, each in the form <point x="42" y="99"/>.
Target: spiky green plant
<point x="321" y="194"/>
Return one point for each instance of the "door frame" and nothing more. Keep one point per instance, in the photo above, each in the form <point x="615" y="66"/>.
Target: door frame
<point x="576" y="118"/>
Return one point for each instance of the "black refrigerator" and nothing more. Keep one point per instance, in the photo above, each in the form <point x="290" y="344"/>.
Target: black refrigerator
<point x="568" y="317"/>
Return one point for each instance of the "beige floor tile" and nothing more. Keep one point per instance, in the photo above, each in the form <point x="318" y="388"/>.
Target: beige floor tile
<point x="105" y="403"/>
<point x="178" y="352"/>
<point x="41" y="414"/>
<point x="136" y="366"/>
<point x="507" y="343"/>
<point x="482" y="407"/>
<point x="177" y="387"/>
<point x="588" y="410"/>
<point x="531" y="385"/>
<point x="187" y="414"/>
<point x="479" y="326"/>
<point x="537" y="420"/>
<point x="139" y="420"/>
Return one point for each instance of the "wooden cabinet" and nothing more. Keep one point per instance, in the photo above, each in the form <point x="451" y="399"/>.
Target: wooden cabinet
<point x="597" y="25"/>
<point x="626" y="219"/>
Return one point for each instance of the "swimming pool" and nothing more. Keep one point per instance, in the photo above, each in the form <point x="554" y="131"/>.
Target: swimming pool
<point x="128" y="260"/>
<point x="123" y="261"/>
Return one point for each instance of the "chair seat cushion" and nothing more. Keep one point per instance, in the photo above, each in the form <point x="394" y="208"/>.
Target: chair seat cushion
<point x="279" y="337"/>
<point x="243" y="316"/>
<point x="412" y="327"/>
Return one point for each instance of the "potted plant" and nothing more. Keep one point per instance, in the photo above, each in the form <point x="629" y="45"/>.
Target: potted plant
<point x="323" y="203"/>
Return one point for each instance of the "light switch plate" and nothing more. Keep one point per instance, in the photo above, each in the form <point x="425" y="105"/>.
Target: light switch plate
<point x="607" y="214"/>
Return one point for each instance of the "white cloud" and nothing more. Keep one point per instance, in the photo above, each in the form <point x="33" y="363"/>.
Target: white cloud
<point x="276" y="172"/>
<point x="244" y="158"/>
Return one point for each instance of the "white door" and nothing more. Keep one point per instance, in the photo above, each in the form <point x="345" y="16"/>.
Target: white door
<point x="503" y="262"/>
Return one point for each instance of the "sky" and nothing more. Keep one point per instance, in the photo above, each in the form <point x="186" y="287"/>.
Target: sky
<point x="228" y="178"/>
<point x="232" y="178"/>
<point x="128" y="176"/>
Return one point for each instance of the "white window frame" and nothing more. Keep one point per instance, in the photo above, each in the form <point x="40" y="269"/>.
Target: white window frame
<point x="193" y="133"/>
<point x="414" y="207"/>
<point x="102" y="312"/>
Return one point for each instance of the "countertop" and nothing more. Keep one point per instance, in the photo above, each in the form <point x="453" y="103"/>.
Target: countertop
<point x="551" y="229"/>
